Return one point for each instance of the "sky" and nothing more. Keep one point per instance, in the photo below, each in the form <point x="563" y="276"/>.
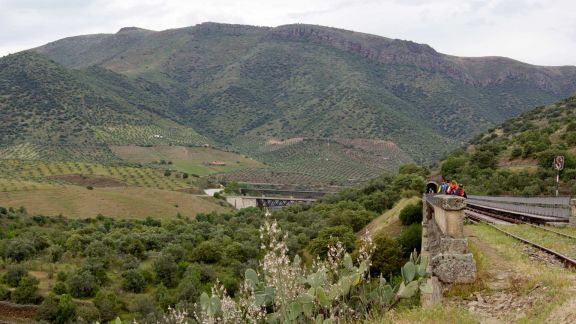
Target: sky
<point x="539" y="32"/>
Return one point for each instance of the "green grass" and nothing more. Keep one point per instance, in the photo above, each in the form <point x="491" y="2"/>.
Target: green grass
<point x="123" y="202"/>
<point x="564" y="245"/>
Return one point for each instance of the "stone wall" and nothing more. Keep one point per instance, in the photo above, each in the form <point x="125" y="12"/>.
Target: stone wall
<point x="444" y="243"/>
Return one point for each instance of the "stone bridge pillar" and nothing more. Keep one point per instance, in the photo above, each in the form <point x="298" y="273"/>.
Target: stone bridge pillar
<point x="444" y="243"/>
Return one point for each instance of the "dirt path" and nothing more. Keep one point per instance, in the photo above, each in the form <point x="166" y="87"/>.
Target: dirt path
<point x="516" y="283"/>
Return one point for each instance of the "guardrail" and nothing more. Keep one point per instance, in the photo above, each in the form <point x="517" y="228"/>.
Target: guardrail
<point x="558" y="207"/>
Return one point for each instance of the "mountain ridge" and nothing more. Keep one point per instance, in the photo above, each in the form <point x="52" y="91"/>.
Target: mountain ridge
<point x="228" y="81"/>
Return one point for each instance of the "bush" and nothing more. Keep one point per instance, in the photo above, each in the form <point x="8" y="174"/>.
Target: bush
<point x="4" y="293"/>
<point x="411" y="214"/>
<point x="411" y="238"/>
<point x="166" y="270"/>
<point x="142" y="306"/>
<point x="133" y="281"/>
<point x="59" y="288"/>
<point x="82" y="284"/>
<point x="87" y="314"/>
<point x="55" y="252"/>
<point x="516" y="153"/>
<point x="387" y="258"/>
<point x="208" y="252"/>
<point x="330" y="236"/>
<point x="19" y="249"/>
<point x="107" y="304"/>
<point x="57" y="310"/>
<point x="14" y="274"/>
<point x="25" y="293"/>
<point x="453" y="166"/>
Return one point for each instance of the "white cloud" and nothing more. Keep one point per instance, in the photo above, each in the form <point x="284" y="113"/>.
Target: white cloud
<point x="535" y="31"/>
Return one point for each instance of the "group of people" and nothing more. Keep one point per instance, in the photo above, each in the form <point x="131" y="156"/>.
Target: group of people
<point x="452" y="188"/>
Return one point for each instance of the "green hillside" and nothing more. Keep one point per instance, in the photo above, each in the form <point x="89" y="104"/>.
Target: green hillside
<point x="319" y="82"/>
<point x="47" y="106"/>
<point x="517" y="156"/>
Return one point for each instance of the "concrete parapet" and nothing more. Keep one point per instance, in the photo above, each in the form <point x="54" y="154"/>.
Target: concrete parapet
<point x="444" y="242"/>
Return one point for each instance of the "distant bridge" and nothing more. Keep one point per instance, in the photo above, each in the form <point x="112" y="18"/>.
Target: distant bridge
<point x="309" y="194"/>
<point x="240" y="202"/>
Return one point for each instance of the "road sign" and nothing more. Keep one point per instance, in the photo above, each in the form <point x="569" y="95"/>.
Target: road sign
<point x="559" y="162"/>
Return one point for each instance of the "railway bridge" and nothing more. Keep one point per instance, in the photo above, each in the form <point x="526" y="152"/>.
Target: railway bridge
<point x="274" y="197"/>
<point x="445" y="245"/>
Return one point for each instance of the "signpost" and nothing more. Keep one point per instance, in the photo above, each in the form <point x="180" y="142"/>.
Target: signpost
<point x="558" y="165"/>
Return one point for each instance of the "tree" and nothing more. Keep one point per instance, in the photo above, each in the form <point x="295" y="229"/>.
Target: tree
<point x="19" y="249"/>
<point x="411" y="238"/>
<point x="166" y="270"/>
<point x="14" y="274"/>
<point x="411" y="214"/>
<point x="133" y="281"/>
<point x="107" y="304"/>
<point x="82" y="284"/>
<point x="208" y="252"/>
<point x="57" y="310"/>
<point x="25" y="293"/>
<point x="330" y="236"/>
<point x="453" y="166"/>
<point x="387" y="258"/>
<point x="142" y="306"/>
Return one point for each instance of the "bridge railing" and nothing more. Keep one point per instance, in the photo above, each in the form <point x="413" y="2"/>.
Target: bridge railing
<point x="559" y="207"/>
<point x="444" y="243"/>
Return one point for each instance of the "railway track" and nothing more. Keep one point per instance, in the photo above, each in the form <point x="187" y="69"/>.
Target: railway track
<point x="561" y="239"/>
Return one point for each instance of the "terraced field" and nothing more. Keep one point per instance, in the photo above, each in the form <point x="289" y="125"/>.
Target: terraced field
<point x="56" y="152"/>
<point x="80" y="189"/>
<point x="335" y="161"/>
<point x="14" y="172"/>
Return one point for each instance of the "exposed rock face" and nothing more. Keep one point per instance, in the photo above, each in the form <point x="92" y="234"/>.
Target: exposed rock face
<point x="454" y="268"/>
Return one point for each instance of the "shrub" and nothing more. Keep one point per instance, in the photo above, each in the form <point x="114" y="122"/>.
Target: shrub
<point x="411" y="238"/>
<point x="330" y="236"/>
<point x="142" y="306"/>
<point x="19" y="249"/>
<point x="96" y="249"/>
<point x="55" y="252"/>
<point x="82" y="284"/>
<point x="25" y="293"/>
<point x="411" y="214"/>
<point x="133" y="281"/>
<point x="107" y="304"/>
<point x="387" y="258"/>
<point x="208" y="252"/>
<point x="453" y="166"/>
<point x="87" y="313"/>
<point x="166" y="270"/>
<point x="57" y="310"/>
<point x="516" y="153"/>
<point x="4" y="293"/>
<point x="14" y="274"/>
<point x="59" y="288"/>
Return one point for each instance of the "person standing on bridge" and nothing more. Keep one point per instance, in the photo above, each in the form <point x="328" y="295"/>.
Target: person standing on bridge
<point x="461" y="192"/>
<point x="444" y="186"/>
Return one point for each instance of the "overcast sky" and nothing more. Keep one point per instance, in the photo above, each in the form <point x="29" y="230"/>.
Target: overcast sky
<point x="535" y="31"/>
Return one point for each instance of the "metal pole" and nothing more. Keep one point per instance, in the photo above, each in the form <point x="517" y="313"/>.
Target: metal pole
<point x="557" y="181"/>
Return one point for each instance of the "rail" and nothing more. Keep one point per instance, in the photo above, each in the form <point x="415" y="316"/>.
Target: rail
<point x="556" y="207"/>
